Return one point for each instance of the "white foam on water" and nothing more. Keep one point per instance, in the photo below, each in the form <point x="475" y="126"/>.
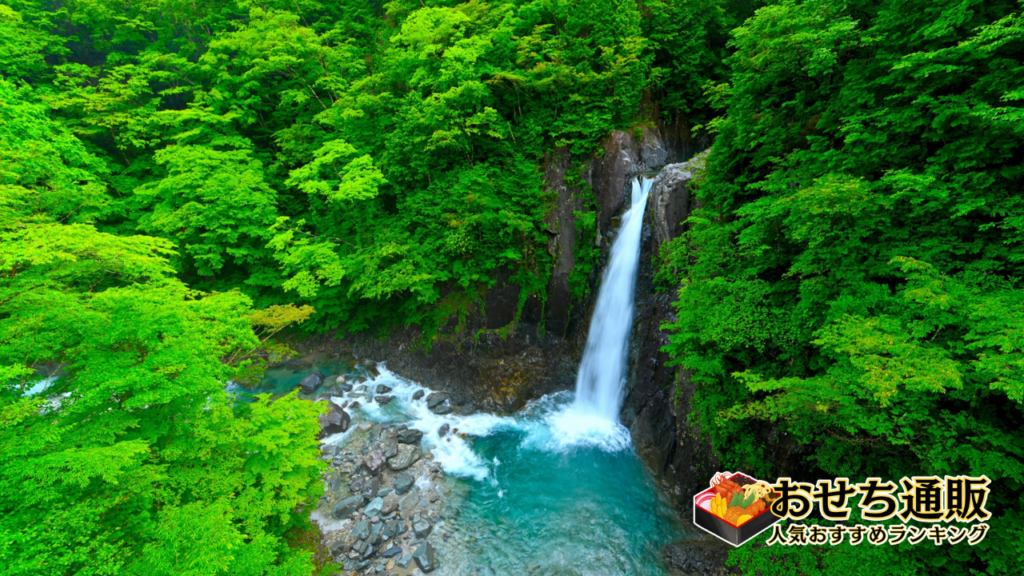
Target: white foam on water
<point x="553" y="423"/>
<point x="578" y="426"/>
<point x="327" y="522"/>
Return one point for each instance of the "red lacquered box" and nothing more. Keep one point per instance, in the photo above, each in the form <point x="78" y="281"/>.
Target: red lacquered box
<point x="735" y="535"/>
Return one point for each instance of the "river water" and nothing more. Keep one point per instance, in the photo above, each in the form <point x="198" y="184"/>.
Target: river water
<point x="554" y="489"/>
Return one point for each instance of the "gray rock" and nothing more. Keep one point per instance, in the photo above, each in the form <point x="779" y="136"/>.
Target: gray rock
<point x="362" y="530"/>
<point x="403" y="482"/>
<point x="435" y="399"/>
<point x="374" y="462"/>
<point x="390" y="504"/>
<point x="702" y="555"/>
<point x="310" y="383"/>
<point x="375" y="534"/>
<point x="369" y="489"/>
<point x="409" y="502"/>
<point x="410" y="436"/>
<point x="669" y="202"/>
<point x="341" y="379"/>
<point x="347" y="506"/>
<point x="355" y="406"/>
<point x="383" y="399"/>
<point x="425" y="557"/>
<point x="441" y="409"/>
<point x="357" y="483"/>
<point x="373" y="508"/>
<point x="404" y="561"/>
<point x="443" y="430"/>
<point x="653" y="152"/>
<point x="390" y="529"/>
<point x="419" y="394"/>
<point x="359" y="566"/>
<point x="338" y="547"/>
<point x="382" y="389"/>
<point x="334" y="421"/>
<point x="407" y="456"/>
<point x="344" y="387"/>
<point x="383" y="492"/>
<point x="392" y="552"/>
<point x="422" y="528"/>
<point x="372" y="369"/>
<point x="391" y="450"/>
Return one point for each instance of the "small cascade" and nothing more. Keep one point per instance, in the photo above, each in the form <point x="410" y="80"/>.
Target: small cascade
<point x="602" y="373"/>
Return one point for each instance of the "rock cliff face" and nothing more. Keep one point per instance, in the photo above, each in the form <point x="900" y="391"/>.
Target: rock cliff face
<point x="658" y="397"/>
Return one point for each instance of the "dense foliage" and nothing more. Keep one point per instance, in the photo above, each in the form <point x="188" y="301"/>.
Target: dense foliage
<point x="851" y="285"/>
<point x="138" y="462"/>
<point x="181" y="180"/>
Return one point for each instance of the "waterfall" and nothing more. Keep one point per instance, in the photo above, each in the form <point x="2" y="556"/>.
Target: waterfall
<point x="603" y="369"/>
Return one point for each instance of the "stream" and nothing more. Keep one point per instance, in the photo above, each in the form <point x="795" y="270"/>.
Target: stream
<point x="553" y="489"/>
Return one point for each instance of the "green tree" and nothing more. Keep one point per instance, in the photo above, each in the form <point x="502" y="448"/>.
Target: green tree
<point x="852" y="278"/>
<point x="134" y="460"/>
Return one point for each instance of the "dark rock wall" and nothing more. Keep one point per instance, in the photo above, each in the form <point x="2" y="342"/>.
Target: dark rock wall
<point x="658" y="398"/>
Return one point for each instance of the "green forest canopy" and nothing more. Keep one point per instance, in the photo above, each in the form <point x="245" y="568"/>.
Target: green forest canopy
<point x="177" y="178"/>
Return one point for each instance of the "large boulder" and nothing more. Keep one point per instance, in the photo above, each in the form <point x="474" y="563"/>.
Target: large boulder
<point x="310" y="383"/>
<point x="347" y="506"/>
<point x="435" y="399"/>
<point x="669" y="203"/>
<point x="439" y="403"/>
<point x="370" y="488"/>
<point x="425" y="557"/>
<point x="404" y="483"/>
<point x="390" y="505"/>
<point x="373" y="508"/>
<point x="407" y="456"/>
<point x="362" y="530"/>
<point x="422" y="528"/>
<point x="374" y="462"/>
<point x="653" y="149"/>
<point x="409" y="502"/>
<point x="335" y="421"/>
<point x="410" y="436"/>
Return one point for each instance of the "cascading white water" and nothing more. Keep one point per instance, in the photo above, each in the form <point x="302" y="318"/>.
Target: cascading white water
<point x="603" y="369"/>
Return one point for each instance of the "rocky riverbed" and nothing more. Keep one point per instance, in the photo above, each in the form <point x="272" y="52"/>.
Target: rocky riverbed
<point x="386" y="501"/>
<point x="418" y="484"/>
<point x="387" y="504"/>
